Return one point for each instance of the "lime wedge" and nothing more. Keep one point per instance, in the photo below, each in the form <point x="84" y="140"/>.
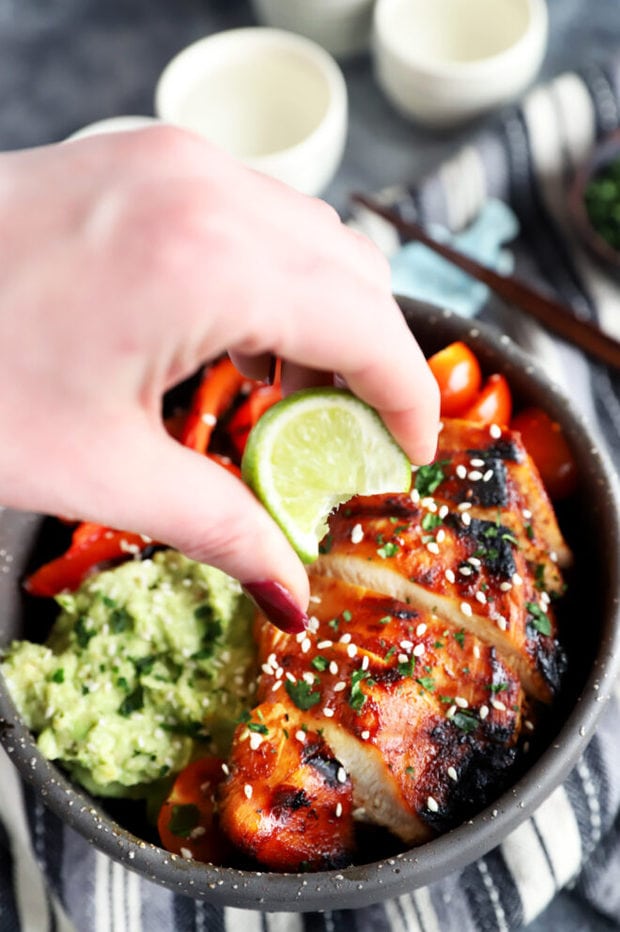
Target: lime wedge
<point x="313" y="451"/>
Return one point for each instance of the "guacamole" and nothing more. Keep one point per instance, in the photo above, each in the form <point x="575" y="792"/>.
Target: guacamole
<point x="148" y="665"/>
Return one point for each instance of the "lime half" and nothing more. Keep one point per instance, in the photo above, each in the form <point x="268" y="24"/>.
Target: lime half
<point x="314" y="450"/>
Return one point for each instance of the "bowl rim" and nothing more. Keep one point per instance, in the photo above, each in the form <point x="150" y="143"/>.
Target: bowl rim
<point x="402" y="873"/>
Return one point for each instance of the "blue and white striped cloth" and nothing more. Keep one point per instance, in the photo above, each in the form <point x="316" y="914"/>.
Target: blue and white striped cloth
<point x="52" y="879"/>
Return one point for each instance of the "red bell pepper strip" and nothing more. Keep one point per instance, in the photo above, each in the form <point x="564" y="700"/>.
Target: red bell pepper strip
<point x="91" y="545"/>
<point x="248" y="413"/>
<point x="214" y="395"/>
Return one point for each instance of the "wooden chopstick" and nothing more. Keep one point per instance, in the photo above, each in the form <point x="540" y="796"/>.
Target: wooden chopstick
<point x="554" y="315"/>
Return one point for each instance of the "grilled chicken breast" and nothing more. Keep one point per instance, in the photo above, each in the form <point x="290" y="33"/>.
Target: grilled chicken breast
<point x="433" y="645"/>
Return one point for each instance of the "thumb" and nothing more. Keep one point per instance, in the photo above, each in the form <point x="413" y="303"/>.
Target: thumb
<point x="180" y="498"/>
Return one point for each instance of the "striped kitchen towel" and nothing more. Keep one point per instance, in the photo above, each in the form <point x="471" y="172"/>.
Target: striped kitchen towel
<point x="52" y="879"/>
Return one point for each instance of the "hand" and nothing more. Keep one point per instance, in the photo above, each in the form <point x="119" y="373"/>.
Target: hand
<point x="129" y="260"/>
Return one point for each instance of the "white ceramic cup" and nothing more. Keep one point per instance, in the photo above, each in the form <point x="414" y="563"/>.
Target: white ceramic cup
<point x="340" y="26"/>
<point x="447" y="61"/>
<point x="275" y="100"/>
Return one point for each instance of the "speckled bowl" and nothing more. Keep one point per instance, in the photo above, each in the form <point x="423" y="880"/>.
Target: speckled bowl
<point x="591" y="522"/>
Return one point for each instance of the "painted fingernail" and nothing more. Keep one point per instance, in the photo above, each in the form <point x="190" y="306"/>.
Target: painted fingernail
<point x="274" y="365"/>
<point x="278" y="605"/>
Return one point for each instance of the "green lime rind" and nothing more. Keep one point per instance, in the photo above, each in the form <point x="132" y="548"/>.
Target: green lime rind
<point x="314" y="450"/>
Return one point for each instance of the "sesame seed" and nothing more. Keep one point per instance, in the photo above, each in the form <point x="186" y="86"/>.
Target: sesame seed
<point x="466" y="609"/>
<point x="290" y="677"/>
<point x="502" y="624"/>
<point x="440" y="536"/>
<point x="475" y="475"/>
<point x="267" y="669"/>
<point x="327" y="712"/>
<point x="345" y="639"/>
<point x="432" y="804"/>
<point x="449" y="574"/>
<point x="527" y="514"/>
<point x="256" y="740"/>
<point x="323" y="645"/>
<point x="308" y="678"/>
<point x="495" y="431"/>
<point x="464" y="506"/>
<point x="340" y="685"/>
<point x="186" y="854"/>
<point x="474" y="561"/>
<point x="487" y="475"/>
<point x="225" y="769"/>
<point x="338" y="810"/>
<point x="365" y="662"/>
<point x="406" y="645"/>
<point x="443" y="512"/>
<point x="415" y="496"/>
<point x="352" y="650"/>
<point x="357" y="534"/>
<point x="341" y="776"/>
<point x="198" y="832"/>
<point x="505" y="586"/>
<point x="247" y="789"/>
<point x="451" y="711"/>
<point x="516" y="580"/>
<point x="432" y="547"/>
<point x="209" y="419"/>
<point x="316" y="599"/>
<point x="300" y="637"/>
<point x="465" y="570"/>
<point x="421" y="629"/>
<point x="484" y="711"/>
<point x="476" y="652"/>
<point x="279" y="673"/>
<point x="461" y="472"/>
<point x="276" y="685"/>
<point x="419" y="650"/>
<point x="498" y="704"/>
<point x="545" y="600"/>
<point x="333" y="668"/>
<point x="306" y="644"/>
<point x="313" y="624"/>
<point x="466" y="518"/>
<point x="365" y="735"/>
<point x="301" y="736"/>
<point x="553" y="556"/>
<point x="477" y="463"/>
<point x="429" y="503"/>
<point x="453" y="774"/>
<point x="529" y="725"/>
<point x="481" y="597"/>
<point x="403" y="658"/>
<point x="526" y="746"/>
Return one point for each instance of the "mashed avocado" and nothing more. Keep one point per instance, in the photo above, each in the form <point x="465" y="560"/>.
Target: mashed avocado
<point x="147" y="665"/>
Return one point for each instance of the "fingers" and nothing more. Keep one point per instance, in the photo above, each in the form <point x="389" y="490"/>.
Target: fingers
<point x="180" y="498"/>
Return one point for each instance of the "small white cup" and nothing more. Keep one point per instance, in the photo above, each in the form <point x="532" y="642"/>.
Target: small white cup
<point x="442" y="62"/>
<point x="340" y="26"/>
<point x="275" y="100"/>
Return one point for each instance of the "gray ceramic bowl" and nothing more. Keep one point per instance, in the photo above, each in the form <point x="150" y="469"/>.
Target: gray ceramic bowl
<point x="591" y="522"/>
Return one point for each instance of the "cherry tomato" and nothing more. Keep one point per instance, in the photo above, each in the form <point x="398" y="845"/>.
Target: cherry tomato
<point x="546" y="444"/>
<point x="458" y="375"/>
<point x="187" y="820"/>
<point x="493" y="405"/>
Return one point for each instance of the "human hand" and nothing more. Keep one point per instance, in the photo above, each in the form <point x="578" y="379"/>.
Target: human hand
<point x="131" y="259"/>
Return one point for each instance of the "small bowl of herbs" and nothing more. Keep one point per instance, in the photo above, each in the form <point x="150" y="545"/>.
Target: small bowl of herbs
<point x="595" y="202"/>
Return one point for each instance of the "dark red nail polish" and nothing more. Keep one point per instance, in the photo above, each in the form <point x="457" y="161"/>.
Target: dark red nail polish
<point x="274" y="370"/>
<point x="277" y="604"/>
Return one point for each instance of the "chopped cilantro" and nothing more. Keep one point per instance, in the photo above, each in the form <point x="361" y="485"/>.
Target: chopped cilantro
<point x="334" y="623"/>
<point x="438" y="645"/>
<point x="497" y="687"/>
<point x="132" y="703"/>
<point x="465" y="721"/>
<point x="410" y="771"/>
<point x="356" y="696"/>
<point x="122" y="683"/>
<point x="407" y="667"/>
<point x="385" y="620"/>
<point x="82" y="633"/>
<point x="429" y="478"/>
<point x="390" y="653"/>
<point x="120" y="620"/>
<point x="203" y="611"/>
<point x="388" y="550"/>
<point x="303" y="695"/>
<point x="459" y="637"/>
<point x="258" y="727"/>
<point x="58" y="676"/>
<point x="446" y="699"/>
<point x="320" y="663"/>
<point x="538" y="618"/>
<point x="510" y="538"/>
<point x="188" y="729"/>
<point x="529" y="531"/>
<point x="144" y="665"/>
<point x="326" y="544"/>
<point x="426" y="682"/>
<point x="347" y="615"/>
<point x="539" y="578"/>
<point x="431" y="521"/>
